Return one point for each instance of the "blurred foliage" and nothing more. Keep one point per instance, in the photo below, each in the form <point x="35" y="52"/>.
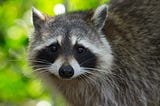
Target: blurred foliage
<point x="18" y="85"/>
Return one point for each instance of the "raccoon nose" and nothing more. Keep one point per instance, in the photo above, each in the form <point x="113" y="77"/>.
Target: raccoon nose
<point x="66" y="71"/>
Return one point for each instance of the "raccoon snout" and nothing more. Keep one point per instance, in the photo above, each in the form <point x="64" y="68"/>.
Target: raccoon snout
<point x="66" y="72"/>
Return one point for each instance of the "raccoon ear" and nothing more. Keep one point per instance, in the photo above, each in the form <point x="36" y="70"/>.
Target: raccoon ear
<point x="38" y="18"/>
<point x="99" y="16"/>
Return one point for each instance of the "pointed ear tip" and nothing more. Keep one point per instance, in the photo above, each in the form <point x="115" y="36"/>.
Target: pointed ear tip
<point x="34" y="10"/>
<point x="101" y="9"/>
<point x="38" y="14"/>
<point x="104" y="6"/>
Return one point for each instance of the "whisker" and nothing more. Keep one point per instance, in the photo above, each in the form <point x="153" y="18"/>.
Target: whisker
<point x="90" y="78"/>
<point x="40" y="61"/>
<point x="84" y="80"/>
<point x="95" y="69"/>
<point x="86" y="61"/>
<point x="40" y="69"/>
<point x="99" y="72"/>
<point x="40" y="66"/>
<point x="44" y="71"/>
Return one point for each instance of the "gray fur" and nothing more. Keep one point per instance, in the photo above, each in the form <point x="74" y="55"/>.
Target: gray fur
<point x="132" y="30"/>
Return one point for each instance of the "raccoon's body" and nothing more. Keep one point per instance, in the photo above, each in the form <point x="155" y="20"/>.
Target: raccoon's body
<point x="100" y="57"/>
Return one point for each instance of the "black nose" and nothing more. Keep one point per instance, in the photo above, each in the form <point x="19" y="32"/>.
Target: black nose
<point x="66" y="71"/>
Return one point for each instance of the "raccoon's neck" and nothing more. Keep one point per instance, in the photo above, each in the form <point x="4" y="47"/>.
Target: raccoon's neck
<point x="85" y="93"/>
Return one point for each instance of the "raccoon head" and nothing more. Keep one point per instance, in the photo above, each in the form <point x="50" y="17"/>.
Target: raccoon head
<point x="70" y="45"/>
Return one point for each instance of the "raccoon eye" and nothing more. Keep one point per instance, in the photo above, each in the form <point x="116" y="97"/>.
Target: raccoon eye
<point x="53" y="48"/>
<point x="81" y="49"/>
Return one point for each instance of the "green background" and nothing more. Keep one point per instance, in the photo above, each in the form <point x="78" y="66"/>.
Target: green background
<point x="18" y="85"/>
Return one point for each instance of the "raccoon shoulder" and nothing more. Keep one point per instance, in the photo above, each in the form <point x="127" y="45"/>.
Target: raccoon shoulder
<point x="133" y="22"/>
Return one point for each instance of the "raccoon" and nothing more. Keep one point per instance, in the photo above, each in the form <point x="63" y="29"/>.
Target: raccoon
<point x="109" y="56"/>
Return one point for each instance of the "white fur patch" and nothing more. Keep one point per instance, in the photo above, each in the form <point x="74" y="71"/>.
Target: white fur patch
<point x="54" y="68"/>
<point x="77" y="69"/>
<point x="59" y="39"/>
<point x="90" y="46"/>
<point x="47" y="43"/>
<point x="73" y="40"/>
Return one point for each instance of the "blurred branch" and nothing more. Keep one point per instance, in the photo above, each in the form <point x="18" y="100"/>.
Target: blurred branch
<point x="66" y="2"/>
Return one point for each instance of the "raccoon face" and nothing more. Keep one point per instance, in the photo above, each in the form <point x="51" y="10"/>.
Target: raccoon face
<point x="70" y="45"/>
